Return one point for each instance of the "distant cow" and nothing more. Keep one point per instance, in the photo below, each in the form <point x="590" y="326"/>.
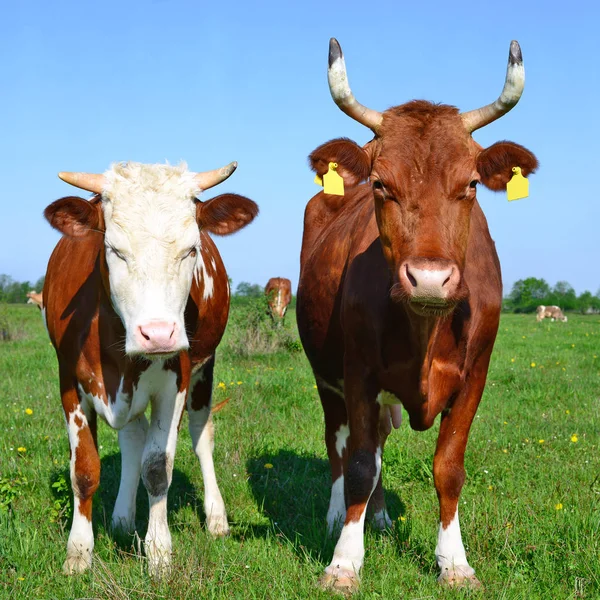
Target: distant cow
<point x="35" y="298"/>
<point x="136" y="300"/>
<point x="399" y="300"/>
<point x="550" y="312"/>
<point x="279" y="295"/>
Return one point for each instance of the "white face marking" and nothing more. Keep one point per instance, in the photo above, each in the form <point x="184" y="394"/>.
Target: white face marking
<point x="450" y="552"/>
<point x="152" y="246"/>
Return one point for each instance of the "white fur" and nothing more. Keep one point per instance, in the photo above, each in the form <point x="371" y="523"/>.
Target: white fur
<point x="336" y="514"/>
<point x="150" y="215"/>
<point x="341" y="439"/>
<point x="132" y="439"/>
<point x="450" y="552"/>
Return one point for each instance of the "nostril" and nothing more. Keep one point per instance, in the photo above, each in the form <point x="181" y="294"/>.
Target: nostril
<point x="146" y="336"/>
<point x="172" y="331"/>
<point x="447" y="280"/>
<point x="410" y="277"/>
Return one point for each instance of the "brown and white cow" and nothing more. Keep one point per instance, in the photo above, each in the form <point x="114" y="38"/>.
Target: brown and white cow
<point x="550" y="312"/>
<point x="279" y="294"/>
<point x="34" y="298"/>
<point x="137" y="299"/>
<point x="399" y="300"/>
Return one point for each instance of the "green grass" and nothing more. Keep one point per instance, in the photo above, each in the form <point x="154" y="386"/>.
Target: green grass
<point x="529" y="510"/>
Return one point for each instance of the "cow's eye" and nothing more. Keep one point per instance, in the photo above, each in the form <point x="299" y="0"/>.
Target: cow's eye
<point x="192" y="253"/>
<point x="377" y="185"/>
<point x="118" y="254"/>
<point x="473" y="184"/>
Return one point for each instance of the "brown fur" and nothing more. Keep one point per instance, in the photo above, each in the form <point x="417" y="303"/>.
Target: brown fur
<point x="225" y="214"/>
<point x="354" y="319"/>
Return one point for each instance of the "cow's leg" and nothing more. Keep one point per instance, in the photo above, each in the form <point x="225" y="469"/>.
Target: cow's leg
<point x="85" y="477"/>
<point x="132" y="439"/>
<point x="362" y="473"/>
<point x="336" y="439"/>
<point x="203" y="441"/>
<point x="157" y="471"/>
<point x="378" y="515"/>
<point x="449" y="476"/>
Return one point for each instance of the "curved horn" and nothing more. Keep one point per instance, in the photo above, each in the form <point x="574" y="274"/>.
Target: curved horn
<point x="513" y="88"/>
<point x="209" y="179"/>
<point x="342" y="94"/>
<point x="85" y="181"/>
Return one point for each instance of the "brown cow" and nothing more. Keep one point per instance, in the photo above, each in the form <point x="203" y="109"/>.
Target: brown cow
<point x="550" y="312"/>
<point x="399" y="300"/>
<point x="137" y="299"/>
<point x="279" y="294"/>
<point x="34" y="298"/>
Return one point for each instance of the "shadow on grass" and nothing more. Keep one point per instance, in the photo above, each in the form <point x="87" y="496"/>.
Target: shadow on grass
<point x="182" y="493"/>
<point x="292" y="491"/>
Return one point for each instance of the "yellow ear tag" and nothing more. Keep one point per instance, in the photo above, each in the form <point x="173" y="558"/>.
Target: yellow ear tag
<point x="332" y="182"/>
<point x="318" y="180"/>
<point x="518" y="186"/>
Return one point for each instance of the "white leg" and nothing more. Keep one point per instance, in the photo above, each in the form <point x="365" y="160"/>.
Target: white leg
<point x="450" y="554"/>
<point x="202" y="432"/>
<point x="336" y="513"/>
<point x="157" y="472"/>
<point x="132" y="439"/>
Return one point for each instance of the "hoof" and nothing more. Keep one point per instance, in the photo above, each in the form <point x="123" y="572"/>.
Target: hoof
<point x="159" y="559"/>
<point x="77" y="563"/>
<point x="459" y="577"/>
<point x="342" y="582"/>
<point x="217" y="526"/>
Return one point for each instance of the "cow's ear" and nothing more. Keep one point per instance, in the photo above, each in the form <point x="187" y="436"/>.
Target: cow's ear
<point x="495" y="164"/>
<point x="354" y="164"/>
<point x="225" y="214"/>
<point x="74" y="216"/>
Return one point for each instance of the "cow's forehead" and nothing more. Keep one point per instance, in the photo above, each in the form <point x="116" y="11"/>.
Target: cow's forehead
<point x="158" y="200"/>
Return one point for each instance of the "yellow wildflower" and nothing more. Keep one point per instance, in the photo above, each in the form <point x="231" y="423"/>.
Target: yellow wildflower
<point x="240" y="382"/>
<point x="568" y="412"/>
<point x="21" y="449"/>
<point x="490" y="487"/>
<point x="28" y="411"/>
<point x="574" y="438"/>
<point x="402" y="518"/>
<point x="558" y="506"/>
<point x="221" y="385"/>
<point x="532" y="365"/>
<point x="540" y="441"/>
<point x="505" y="450"/>
<point x="512" y="360"/>
<point x="268" y="466"/>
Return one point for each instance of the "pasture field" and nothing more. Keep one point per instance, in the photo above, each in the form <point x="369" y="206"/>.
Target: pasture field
<point x="529" y="509"/>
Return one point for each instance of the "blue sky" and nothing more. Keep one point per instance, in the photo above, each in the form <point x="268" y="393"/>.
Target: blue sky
<point x="86" y="84"/>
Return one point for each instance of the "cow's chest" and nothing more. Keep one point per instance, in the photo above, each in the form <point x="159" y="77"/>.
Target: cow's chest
<point x="120" y="403"/>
